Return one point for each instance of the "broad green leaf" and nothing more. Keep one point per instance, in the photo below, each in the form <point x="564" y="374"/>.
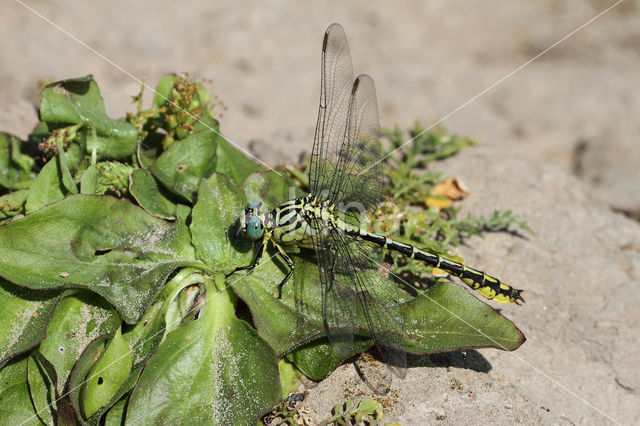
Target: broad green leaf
<point x="15" y="167"/>
<point x="181" y="167"/>
<point x="15" y="401"/>
<point x="108" y="374"/>
<point x="143" y="337"/>
<point x="215" y="225"/>
<point x="117" y="413"/>
<point x="105" y="244"/>
<point x="85" y="363"/>
<point x="289" y="376"/>
<point x="47" y="188"/>
<point x="52" y="408"/>
<point x="446" y="317"/>
<point x="295" y="318"/>
<point x="233" y="163"/>
<point x="187" y="281"/>
<point x="316" y="359"/>
<point x="89" y="180"/>
<point x="50" y="185"/>
<point x="144" y="188"/>
<point x="24" y="315"/>
<point x="435" y="321"/>
<point x="215" y="369"/>
<point x="78" y="100"/>
<point x="77" y="321"/>
<point x="272" y="188"/>
<point x="42" y="389"/>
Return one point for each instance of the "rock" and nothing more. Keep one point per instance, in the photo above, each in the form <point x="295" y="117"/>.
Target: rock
<point x="580" y="362"/>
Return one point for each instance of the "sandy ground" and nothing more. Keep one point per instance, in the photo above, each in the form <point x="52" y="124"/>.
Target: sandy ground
<point x="560" y="147"/>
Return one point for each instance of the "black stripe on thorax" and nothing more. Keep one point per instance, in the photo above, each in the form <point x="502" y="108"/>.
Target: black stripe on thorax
<point x="295" y="228"/>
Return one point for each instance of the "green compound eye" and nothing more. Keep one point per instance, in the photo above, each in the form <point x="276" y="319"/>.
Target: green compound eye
<point x="254" y="228"/>
<point x="253" y="204"/>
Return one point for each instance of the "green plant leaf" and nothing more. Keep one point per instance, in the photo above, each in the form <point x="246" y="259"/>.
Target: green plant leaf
<point x="15" y="401"/>
<point x="295" y="318"/>
<point x="117" y="413"/>
<point x="43" y="384"/>
<point x="446" y="317"/>
<point x="78" y="100"/>
<point x="42" y="389"/>
<point x="85" y="363"/>
<point x="24" y="316"/>
<point x="289" y="376"/>
<point x="77" y="320"/>
<point x="316" y="359"/>
<point x="215" y="226"/>
<point x="233" y="163"/>
<point x="89" y="180"/>
<point x="163" y="90"/>
<point x="15" y="167"/>
<point x="47" y="187"/>
<point x="230" y="373"/>
<point x="105" y="244"/>
<point x="143" y="339"/>
<point x="181" y="167"/>
<point x="108" y="374"/>
<point x="272" y="188"/>
<point x="144" y="188"/>
<point x="436" y="320"/>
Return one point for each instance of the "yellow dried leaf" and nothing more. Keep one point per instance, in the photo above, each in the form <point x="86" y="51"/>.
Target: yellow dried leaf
<point x="438" y="202"/>
<point x="452" y="188"/>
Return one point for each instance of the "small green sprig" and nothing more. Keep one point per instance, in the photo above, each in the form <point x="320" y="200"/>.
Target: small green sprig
<point x="410" y="183"/>
<point x="368" y="412"/>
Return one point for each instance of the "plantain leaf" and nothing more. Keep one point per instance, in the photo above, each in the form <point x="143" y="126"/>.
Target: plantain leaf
<point x="98" y="242"/>
<point x="78" y="100"/>
<point x="214" y="224"/>
<point x="233" y="163"/>
<point x="108" y="374"/>
<point x="231" y="374"/>
<point x="181" y="167"/>
<point x="150" y="196"/>
<point x="15" y="401"/>
<point x="77" y="320"/>
<point x="24" y="316"/>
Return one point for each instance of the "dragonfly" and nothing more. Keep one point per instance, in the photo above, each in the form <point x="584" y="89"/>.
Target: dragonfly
<point x="346" y="181"/>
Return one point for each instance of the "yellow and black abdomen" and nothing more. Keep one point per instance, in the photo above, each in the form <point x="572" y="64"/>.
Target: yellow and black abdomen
<point x="485" y="284"/>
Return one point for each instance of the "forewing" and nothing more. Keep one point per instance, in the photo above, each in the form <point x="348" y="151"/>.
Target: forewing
<point x="336" y="80"/>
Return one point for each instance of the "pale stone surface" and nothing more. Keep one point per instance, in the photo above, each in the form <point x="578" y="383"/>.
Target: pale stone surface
<point x="577" y="107"/>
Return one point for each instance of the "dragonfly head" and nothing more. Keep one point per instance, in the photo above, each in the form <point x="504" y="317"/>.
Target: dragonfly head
<point x="252" y="221"/>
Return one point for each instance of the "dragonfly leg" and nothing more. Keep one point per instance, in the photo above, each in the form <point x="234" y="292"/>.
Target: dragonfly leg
<point x="288" y="261"/>
<point x="255" y="263"/>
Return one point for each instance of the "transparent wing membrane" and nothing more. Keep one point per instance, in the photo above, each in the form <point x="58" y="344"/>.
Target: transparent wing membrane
<point x="345" y="170"/>
<point x="345" y="166"/>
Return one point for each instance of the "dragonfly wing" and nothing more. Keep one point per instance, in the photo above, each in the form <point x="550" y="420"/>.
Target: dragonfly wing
<point x="345" y="166"/>
<point x="356" y="298"/>
<point x="336" y="79"/>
